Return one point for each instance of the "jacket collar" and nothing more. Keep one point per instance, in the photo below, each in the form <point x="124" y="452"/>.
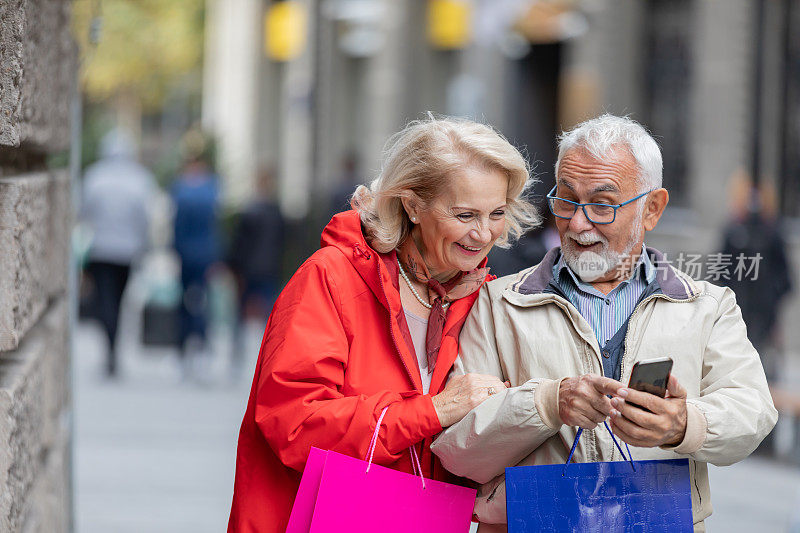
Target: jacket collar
<point x="344" y="232"/>
<point x="673" y="283"/>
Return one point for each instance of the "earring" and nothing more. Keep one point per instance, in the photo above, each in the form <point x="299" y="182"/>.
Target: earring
<point x="414" y="220"/>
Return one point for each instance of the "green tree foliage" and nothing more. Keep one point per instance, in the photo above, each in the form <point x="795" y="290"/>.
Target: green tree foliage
<point x="145" y="47"/>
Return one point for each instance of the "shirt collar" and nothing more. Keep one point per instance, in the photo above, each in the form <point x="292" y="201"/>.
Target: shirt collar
<point x="643" y="269"/>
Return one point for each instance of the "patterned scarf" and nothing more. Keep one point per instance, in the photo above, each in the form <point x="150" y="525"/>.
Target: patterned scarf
<point x="460" y="285"/>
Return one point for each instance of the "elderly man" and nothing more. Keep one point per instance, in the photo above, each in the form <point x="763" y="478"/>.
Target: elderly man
<point x="567" y="332"/>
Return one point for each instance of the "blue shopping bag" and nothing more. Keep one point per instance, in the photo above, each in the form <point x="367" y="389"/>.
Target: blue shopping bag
<point x="629" y="496"/>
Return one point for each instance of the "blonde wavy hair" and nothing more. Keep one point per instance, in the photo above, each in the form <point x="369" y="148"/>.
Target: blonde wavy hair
<point x="422" y="158"/>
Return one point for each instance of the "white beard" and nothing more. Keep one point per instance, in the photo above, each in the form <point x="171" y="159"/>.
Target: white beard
<point x="590" y="266"/>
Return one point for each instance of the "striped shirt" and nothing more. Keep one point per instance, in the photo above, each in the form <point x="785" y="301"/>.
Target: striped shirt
<point x="605" y="313"/>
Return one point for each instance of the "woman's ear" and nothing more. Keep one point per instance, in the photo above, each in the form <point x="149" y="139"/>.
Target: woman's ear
<point x="410" y="204"/>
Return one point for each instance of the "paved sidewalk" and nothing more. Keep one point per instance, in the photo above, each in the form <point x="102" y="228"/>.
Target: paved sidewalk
<point x="152" y="453"/>
<point x="756" y="495"/>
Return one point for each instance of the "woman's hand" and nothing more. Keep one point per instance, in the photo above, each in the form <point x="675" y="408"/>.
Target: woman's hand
<point x="462" y="394"/>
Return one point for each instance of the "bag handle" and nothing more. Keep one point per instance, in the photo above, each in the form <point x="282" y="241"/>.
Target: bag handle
<point x="629" y="458"/>
<point x="415" y="464"/>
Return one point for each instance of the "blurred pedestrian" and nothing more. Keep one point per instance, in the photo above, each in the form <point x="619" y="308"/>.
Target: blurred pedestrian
<point x="256" y="260"/>
<point x="754" y="234"/>
<point x="117" y="190"/>
<point x="195" y="193"/>
<point x="345" y="185"/>
<point x="369" y="324"/>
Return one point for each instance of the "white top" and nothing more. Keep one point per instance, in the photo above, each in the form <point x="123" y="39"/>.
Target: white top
<point x="418" y="327"/>
<point x="117" y="193"/>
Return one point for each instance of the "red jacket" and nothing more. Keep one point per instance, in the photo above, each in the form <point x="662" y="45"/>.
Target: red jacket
<point x="333" y="356"/>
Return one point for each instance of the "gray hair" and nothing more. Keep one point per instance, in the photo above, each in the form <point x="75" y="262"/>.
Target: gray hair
<point x="422" y="158"/>
<point x="600" y="135"/>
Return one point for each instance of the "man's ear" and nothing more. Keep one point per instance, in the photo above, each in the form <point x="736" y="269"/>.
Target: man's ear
<point x="656" y="203"/>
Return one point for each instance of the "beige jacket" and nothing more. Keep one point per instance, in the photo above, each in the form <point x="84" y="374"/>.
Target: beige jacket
<point x="521" y="331"/>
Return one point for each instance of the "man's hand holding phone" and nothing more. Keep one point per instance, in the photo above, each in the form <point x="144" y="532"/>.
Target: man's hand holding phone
<point x="646" y="420"/>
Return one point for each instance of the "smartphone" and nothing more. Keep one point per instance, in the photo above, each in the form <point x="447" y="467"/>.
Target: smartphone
<point x="651" y="376"/>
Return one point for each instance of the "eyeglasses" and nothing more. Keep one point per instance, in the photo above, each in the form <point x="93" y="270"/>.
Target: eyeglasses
<point x="596" y="213"/>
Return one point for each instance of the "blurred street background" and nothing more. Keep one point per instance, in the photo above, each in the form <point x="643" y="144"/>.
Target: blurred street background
<point x="229" y="131"/>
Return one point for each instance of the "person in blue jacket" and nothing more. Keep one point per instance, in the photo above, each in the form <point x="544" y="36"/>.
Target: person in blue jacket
<point x="195" y="193"/>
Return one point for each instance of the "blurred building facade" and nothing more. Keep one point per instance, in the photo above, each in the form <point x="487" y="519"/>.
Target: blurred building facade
<point x="37" y="78"/>
<point x="716" y="81"/>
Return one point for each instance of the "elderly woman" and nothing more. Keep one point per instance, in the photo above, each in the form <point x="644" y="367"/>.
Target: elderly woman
<point x="371" y="320"/>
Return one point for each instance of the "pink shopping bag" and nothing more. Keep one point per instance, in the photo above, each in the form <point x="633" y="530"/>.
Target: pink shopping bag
<point x="340" y="493"/>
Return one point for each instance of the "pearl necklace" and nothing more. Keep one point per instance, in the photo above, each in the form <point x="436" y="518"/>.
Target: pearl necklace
<point x="414" y="291"/>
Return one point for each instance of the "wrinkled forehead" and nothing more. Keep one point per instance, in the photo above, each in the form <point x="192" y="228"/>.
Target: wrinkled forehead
<point x="616" y="168"/>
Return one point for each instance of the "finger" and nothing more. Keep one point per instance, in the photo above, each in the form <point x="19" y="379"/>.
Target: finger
<point x="497" y="385"/>
<point x="480" y="381"/>
<point x="492" y="381"/>
<point x="477" y="398"/>
<point x="643" y="399"/>
<point x="622" y="434"/>
<point x="602" y="404"/>
<point x="486" y="389"/>
<point x="597" y="416"/>
<point x="638" y="416"/>
<point x="586" y="409"/>
<point x="638" y="435"/>
<point x="580" y="413"/>
<point x="507" y="384"/>
<point x="605" y="385"/>
<point x="675" y="389"/>
<point x="584" y="422"/>
<point x="491" y="390"/>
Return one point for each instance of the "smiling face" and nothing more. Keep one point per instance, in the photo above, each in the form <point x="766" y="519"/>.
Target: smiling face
<point x="596" y="251"/>
<point x="456" y="230"/>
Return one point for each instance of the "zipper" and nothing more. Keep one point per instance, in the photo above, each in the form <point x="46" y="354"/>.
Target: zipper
<point x="391" y="329"/>
<point x="564" y="306"/>
<point x="397" y="349"/>
<point x="627" y="333"/>
<point x="635" y="309"/>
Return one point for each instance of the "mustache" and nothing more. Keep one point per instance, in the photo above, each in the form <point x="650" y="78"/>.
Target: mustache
<point x="585" y="238"/>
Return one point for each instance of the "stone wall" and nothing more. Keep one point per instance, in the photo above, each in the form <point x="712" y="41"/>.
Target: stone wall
<point x="37" y="73"/>
<point x="36" y="51"/>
